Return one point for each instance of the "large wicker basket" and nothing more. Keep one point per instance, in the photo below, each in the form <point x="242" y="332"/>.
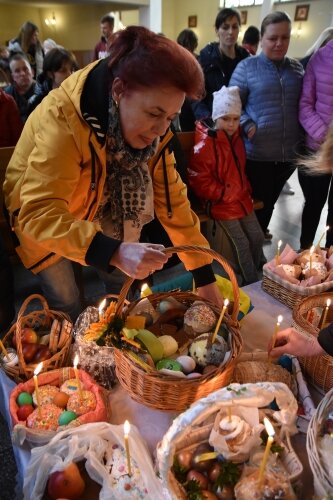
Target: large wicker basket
<point x="41" y="318"/>
<point x="323" y="480"/>
<point x="318" y="369"/>
<point x="163" y="392"/>
<point x="286" y="292"/>
<point x="194" y="426"/>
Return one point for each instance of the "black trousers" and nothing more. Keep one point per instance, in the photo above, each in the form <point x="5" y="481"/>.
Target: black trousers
<point x="267" y="179"/>
<point x="315" y="190"/>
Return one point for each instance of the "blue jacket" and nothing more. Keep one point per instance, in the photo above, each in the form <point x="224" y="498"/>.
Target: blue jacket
<point x="270" y="94"/>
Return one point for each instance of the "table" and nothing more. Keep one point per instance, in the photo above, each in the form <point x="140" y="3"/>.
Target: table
<point x="256" y="328"/>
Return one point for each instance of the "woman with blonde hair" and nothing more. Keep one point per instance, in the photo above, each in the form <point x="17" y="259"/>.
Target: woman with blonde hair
<point x="324" y="37"/>
<point x="27" y="42"/>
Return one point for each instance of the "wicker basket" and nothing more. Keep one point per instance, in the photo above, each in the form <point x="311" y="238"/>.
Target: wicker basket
<point x="318" y="369"/>
<point x="35" y="319"/>
<point x="159" y="391"/>
<point x="286" y="292"/>
<point x="323" y="481"/>
<point x="194" y="426"/>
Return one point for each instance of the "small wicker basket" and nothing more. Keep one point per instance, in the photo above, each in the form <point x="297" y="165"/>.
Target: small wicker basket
<point x="162" y="392"/>
<point x="318" y="369"/>
<point x="323" y="480"/>
<point x="194" y="426"/>
<point x="288" y="293"/>
<point x="35" y="319"/>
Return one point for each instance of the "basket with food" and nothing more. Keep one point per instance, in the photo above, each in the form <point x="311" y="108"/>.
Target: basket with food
<point x="292" y="276"/>
<point x="309" y="317"/>
<point x="231" y="444"/>
<point x="173" y="348"/>
<point x="319" y="445"/>
<point x="39" y="335"/>
<point x="53" y="401"/>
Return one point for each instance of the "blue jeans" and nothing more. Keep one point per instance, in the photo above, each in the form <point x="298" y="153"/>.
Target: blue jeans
<point x="246" y="238"/>
<point x="61" y="291"/>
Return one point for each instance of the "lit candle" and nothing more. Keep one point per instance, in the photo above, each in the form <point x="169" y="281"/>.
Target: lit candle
<point x="277" y="256"/>
<point x="218" y="324"/>
<point x="100" y="309"/>
<point x="127" y="429"/>
<point x="4" y="350"/>
<point x="36" y="372"/>
<point x="76" y="362"/>
<point x="328" y="303"/>
<point x="277" y="327"/>
<point x="143" y="289"/>
<point x="270" y="439"/>
<point x="322" y="236"/>
<point x="311" y="252"/>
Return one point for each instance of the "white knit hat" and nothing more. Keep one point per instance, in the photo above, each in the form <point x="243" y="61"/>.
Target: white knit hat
<point x="226" y="101"/>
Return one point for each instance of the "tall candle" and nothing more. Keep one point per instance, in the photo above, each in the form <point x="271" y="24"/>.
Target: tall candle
<point x="328" y="303"/>
<point x="100" y="309"/>
<point x="277" y="256"/>
<point x="78" y="381"/>
<point x="270" y="439"/>
<point x="277" y="327"/>
<point x="311" y="252"/>
<point x="36" y="372"/>
<point x="4" y="350"/>
<point x="218" y="324"/>
<point x="229" y="414"/>
<point x="127" y="429"/>
<point x="322" y="236"/>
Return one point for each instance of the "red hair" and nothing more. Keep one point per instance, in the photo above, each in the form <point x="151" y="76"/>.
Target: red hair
<point x="139" y="57"/>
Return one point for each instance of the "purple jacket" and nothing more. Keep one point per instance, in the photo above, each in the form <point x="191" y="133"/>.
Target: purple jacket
<point x="316" y="103"/>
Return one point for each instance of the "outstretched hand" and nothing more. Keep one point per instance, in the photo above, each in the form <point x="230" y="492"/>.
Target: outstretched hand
<point x="138" y="260"/>
<point x="211" y="292"/>
<point x="289" y="341"/>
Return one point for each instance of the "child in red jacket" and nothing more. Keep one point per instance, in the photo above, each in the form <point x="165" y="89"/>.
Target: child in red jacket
<point x="217" y="176"/>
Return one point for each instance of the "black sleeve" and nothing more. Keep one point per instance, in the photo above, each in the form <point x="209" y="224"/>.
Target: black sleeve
<point x="325" y="339"/>
<point x="203" y="275"/>
<point x="100" y="252"/>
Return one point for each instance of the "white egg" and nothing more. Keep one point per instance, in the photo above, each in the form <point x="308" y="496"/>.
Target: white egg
<point x="188" y="363"/>
<point x="172" y="373"/>
<point x="170" y="345"/>
<point x="194" y="375"/>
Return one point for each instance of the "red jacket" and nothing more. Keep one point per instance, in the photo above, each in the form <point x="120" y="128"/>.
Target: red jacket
<point x="10" y="122"/>
<point x="216" y="173"/>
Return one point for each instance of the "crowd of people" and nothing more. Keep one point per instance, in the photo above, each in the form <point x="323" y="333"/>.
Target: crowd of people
<point x="94" y="163"/>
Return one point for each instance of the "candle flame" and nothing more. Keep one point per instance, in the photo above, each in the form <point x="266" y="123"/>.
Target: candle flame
<point x="279" y="244"/>
<point x="280" y="319"/>
<point x="312" y="249"/>
<point x="226" y="302"/>
<point x="76" y="360"/>
<point x="269" y="428"/>
<point x="101" y="306"/>
<point x="144" y="287"/>
<point x="327" y="228"/>
<point x="38" y="368"/>
<point x="328" y="302"/>
<point x="127" y="427"/>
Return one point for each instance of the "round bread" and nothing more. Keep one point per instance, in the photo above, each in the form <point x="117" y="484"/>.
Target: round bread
<point x="291" y="270"/>
<point x="82" y="405"/>
<point x="263" y="371"/>
<point x="204" y="353"/>
<point x="304" y="257"/>
<point x="199" y="318"/>
<point x="45" y="419"/>
<point x="46" y="394"/>
<point x="317" y="269"/>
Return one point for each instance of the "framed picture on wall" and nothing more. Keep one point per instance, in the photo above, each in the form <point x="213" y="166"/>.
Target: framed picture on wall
<point x="192" y="21"/>
<point x="302" y="12"/>
<point x="243" y="16"/>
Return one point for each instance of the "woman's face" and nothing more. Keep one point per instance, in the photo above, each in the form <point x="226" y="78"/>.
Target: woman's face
<point x="228" y="32"/>
<point x="275" y="40"/>
<point x="34" y="38"/>
<point x="59" y="76"/>
<point x="146" y="113"/>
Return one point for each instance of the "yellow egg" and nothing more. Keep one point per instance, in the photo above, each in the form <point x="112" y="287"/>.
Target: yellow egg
<point x="61" y="399"/>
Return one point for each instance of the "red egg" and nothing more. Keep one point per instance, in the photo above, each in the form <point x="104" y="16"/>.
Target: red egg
<point x="24" y="411"/>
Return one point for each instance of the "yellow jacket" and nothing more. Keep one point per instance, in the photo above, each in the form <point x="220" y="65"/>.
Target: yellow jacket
<point x="52" y="193"/>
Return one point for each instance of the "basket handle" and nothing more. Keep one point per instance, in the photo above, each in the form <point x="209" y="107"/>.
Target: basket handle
<point x="189" y="248"/>
<point x="27" y="302"/>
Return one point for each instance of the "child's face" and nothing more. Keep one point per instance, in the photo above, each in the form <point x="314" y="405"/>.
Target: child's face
<point x="228" y="123"/>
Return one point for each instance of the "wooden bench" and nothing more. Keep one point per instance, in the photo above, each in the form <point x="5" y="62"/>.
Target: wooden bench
<point x="5" y="232"/>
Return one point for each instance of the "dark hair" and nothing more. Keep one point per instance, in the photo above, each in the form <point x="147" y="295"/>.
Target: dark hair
<point x="274" y="18"/>
<point x="251" y="35"/>
<point x="188" y="39"/>
<point x="55" y="58"/>
<point x="224" y="14"/>
<point x="108" y="19"/>
<point x="19" y="56"/>
<point x="139" y="58"/>
<point x="25" y="35"/>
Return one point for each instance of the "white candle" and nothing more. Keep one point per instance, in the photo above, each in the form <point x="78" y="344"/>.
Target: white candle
<point x="36" y="372"/>
<point x="328" y="303"/>
<point x="311" y="252"/>
<point x="127" y="429"/>
<point x="76" y="362"/>
<point x="322" y="236"/>
<point x="224" y="308"/>
<point x="270" y="439"/>
<point x="100" y="309"/>
<point x="277" y="257"/>
<point x="277" y="328"/>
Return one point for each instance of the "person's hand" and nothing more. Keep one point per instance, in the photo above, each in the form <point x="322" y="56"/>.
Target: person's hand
<point x="252" y="130"/>
<point x="138" y="260"/>
<point x="289" y="341"/>
<point x="211" y="292"/>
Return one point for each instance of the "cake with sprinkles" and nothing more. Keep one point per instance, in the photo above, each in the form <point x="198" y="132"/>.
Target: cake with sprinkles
<point x="199" y="318"/>
<point x="46" y="394"/>
<point x="44" y="418"/>
<point x="81" y="403"/>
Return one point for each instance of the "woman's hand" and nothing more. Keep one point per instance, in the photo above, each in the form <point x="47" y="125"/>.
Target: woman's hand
<point x="138" y="260"/>
<point x="211" y="292"/>
<point x="252" y="130"/>
<point x="289" y="341"/>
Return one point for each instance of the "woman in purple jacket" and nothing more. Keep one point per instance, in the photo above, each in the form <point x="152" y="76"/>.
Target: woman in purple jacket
<point x="315" y="115"/>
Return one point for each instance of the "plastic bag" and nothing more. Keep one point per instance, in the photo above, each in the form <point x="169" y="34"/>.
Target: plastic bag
<point x="94" y="443"/>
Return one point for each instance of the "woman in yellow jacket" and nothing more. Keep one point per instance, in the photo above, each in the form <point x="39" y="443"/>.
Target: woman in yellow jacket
<point x="93" y="166"/>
